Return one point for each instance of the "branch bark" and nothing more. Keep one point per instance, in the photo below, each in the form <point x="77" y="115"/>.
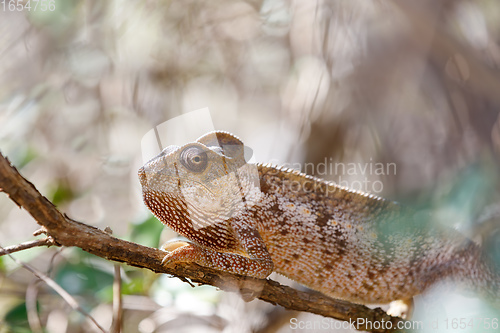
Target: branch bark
<point x="67" y="232"/>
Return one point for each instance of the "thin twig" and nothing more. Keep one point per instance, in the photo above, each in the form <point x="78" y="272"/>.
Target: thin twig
<point x="58" y="289"/>
<point x="116" y="326"/>
<point x="27" y="245"/>
<point x="31" y="308"/>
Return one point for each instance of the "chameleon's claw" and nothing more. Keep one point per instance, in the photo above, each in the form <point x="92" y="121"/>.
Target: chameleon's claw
<point x="169" y="258"/>
<point x="165" y="261"/>
<point x="170" y="246"/>
<point x="402" y="308"/>
<point x="180" y="251"/>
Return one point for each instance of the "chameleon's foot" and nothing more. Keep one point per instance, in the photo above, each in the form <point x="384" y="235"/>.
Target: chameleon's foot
<point x="401" y="308"/>
<point x="180" y="251"/>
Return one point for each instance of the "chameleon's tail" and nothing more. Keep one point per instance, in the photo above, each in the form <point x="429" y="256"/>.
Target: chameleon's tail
<point x="479" y="272"/>
<point x="489" y="282"/>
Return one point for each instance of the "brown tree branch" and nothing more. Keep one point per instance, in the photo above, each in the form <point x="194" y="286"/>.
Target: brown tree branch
<point x="67" y="232"/>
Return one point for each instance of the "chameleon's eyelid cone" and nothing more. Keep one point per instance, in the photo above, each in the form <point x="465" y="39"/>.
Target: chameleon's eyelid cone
<point x="168" y="150"/>
<point x="251" y="219"/>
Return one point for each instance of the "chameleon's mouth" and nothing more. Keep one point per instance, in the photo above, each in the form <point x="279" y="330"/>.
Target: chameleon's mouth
<point x="142" y="176"/>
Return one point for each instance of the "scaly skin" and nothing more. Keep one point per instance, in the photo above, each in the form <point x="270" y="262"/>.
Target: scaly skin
<point x="253" y="219"/>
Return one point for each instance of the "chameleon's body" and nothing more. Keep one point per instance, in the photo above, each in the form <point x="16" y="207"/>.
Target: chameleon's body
<point x="251" y="219"/>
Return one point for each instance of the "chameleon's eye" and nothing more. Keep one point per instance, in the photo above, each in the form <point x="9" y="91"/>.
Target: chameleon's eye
<point x="194" y="159"/>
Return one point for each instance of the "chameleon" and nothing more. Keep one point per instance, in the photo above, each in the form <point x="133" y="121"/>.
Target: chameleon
<point x="253" y="219"/>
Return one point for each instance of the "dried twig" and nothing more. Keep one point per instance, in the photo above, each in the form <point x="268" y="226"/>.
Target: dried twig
<point x="58" y="289"/>
<point x="31" y="308"/>
<point x="27" y="245"/>
<point x="116" y="326"/>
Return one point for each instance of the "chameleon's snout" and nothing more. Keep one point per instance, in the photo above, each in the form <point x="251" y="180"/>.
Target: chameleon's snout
<point x="142" y="176"/>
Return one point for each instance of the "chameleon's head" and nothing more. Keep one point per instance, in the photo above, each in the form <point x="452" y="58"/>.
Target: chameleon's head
<point x="204" y="182"/>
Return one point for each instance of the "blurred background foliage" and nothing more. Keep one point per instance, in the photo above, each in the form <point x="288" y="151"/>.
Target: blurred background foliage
<point x="415" y="83"/>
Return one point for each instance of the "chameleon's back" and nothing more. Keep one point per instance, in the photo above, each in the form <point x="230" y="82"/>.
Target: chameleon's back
<point x="341" y="242"/>
<point x="356" y="246"/>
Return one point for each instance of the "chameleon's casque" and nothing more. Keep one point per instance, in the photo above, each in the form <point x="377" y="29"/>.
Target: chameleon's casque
<point x="252" y="219"/>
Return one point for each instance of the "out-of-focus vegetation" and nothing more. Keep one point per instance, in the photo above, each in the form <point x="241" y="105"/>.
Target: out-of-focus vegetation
<point x="414" y="83"/>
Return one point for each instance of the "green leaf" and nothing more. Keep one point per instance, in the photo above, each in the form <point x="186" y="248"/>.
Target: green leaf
<point x="61" y="193"/>
<point x="81" y="279"/>
<point x="17" y="318"/>
<point x="147" y="233"/>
